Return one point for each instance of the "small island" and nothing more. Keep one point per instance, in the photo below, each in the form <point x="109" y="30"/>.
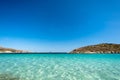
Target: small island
<point x="10" y="50"/>
<point x="109" y="48"/>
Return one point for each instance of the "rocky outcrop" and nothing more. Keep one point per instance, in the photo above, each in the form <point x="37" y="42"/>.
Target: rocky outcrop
<point x="9" y="50"/>
<point x="99" y="48"/>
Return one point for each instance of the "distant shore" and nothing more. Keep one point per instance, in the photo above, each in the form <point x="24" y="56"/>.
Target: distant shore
<point x="104" y="48"/>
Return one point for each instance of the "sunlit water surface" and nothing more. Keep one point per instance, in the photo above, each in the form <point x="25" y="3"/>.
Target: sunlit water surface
<point x="59" y="67"/>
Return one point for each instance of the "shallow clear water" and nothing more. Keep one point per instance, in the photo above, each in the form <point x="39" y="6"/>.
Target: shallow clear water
<point x="59" y="67"/>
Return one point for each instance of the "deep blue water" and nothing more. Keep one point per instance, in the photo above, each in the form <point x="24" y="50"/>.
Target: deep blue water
<point x="59" y="67"/>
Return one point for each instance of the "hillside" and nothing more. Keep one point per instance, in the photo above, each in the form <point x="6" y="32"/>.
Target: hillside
<point x="9" y="50"/>
<point x="99" y="48"/>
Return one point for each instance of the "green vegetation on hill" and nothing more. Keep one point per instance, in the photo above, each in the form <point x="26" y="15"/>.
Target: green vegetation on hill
<point x="99" y="48"/>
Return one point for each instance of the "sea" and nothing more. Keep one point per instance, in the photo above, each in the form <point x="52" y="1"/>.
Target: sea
<point x="59" y="66"/>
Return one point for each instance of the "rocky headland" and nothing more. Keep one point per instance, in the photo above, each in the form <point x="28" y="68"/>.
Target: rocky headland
<point x="99" y="48"/>
<point x="10" y="50"/>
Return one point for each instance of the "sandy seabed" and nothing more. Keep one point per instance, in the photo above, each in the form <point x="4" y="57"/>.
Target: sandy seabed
<point x="59" y="67"/>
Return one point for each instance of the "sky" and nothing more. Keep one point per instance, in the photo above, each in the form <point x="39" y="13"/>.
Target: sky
<point x="58" y="25"/>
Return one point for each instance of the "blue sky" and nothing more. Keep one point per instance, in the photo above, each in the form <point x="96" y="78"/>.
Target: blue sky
<point x="58" y="25"/>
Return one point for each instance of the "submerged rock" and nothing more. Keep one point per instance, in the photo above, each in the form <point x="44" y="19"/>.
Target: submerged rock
<point x="8" y="77"/>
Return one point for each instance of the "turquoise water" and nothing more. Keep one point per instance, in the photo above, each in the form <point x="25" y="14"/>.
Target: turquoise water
<point x="59" y="67"/>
